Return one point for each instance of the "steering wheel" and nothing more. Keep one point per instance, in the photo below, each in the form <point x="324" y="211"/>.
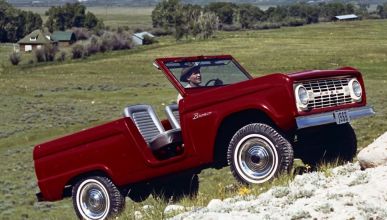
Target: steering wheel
<point x="216" y="82"/>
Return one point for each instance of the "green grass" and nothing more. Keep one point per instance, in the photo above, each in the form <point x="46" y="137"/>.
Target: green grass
<point x="40" y="102"/>
<point x="124" y="16"/>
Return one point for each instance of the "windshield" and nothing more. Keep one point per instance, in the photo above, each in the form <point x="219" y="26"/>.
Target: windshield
<point x="213" y="72"/>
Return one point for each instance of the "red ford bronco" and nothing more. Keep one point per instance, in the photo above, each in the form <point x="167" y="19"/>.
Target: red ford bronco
<point x="254" y="125"/>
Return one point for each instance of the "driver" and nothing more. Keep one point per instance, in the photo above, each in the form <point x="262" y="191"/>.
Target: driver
<point x="192" y="76"/>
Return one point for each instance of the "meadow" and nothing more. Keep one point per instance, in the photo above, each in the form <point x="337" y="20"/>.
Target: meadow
<point x="113" y="16"/>
<point x="41" y="102"/>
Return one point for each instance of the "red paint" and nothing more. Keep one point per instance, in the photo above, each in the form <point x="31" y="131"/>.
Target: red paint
<point x="118" y="150"/>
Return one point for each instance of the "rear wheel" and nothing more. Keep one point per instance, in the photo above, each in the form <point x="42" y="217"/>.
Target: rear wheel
<point x="257" y="153"/>
<point x="97" y="198"/>
<point x="326" y="144"/>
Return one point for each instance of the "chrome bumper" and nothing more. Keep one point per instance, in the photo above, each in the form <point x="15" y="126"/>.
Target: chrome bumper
<point x="328" y="117"/>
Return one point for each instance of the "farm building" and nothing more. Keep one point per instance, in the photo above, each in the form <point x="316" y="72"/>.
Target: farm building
<point x="349" y="17"/>
<point x="34" y="40"/>
<point x="138" y="38"/>
<point x="64" y="38"/>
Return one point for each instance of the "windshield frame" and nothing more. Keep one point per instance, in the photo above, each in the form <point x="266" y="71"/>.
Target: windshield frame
<point x="161" y="64"/>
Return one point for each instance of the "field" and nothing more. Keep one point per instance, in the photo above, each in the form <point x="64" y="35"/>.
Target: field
<point x="113" y="17"/>
<point x="40" y="102"/>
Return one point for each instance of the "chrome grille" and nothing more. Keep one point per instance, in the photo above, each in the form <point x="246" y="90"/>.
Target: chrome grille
<point x="328" y="92"/>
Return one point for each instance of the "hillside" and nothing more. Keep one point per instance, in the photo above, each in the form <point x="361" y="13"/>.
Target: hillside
<point x="44" y="101"/>
<point x="342" y="193"/>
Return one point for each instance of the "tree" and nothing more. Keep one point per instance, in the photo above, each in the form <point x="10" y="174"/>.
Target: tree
<point x="224" y="11"/>
<point x="169" y="14"/>
<point x="208" y="23"/>
<point x="304" y="11"/>
<point x="192" y="14"/>
<point x="249" y="15"/>
<point x="311" y="14"/>
<point x="329" y="11"/>
<point x="15" y="23"/>
<point x="33" y="22"/>
<point x="91" y="20"/>
<point x="381" y="10"/>
<point x="70" y="15"/>
<point x="362" y="9"/>
<point x="166" y="13"/>
<point x="184" y="20"/>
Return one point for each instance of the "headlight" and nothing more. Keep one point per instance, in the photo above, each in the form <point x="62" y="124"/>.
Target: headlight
<point x="355" y="89"/>
<point x="302" y="97"/>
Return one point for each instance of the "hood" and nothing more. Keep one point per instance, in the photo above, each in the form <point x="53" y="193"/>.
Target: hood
<point x="315" y="74"/>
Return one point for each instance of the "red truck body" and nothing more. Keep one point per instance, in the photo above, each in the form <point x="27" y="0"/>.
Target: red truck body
<point x="118" y="150"/>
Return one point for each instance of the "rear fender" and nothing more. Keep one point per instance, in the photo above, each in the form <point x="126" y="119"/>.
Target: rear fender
<point x="52" y="189"/>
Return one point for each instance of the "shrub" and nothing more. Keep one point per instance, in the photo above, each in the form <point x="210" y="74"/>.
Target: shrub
<point x="81" y="33"/>
<point x="62" y="56"/>
<point x="106" y="40"/>
<point x="78" y="51"/>
<point x="39" y="55"/>
<point x="161" y="32"/>
<point x="116" y="42"/>
<point x="103" y="47"/>
<point x="266" y="25"/>
<point x="94" y="46"/>
<point x="120" y="30"/>
<point x="294" y="22"/>
<point x="373" y="16"/>
<point x="15" y="58"/>
<point x="111" y="41"/>
<point x="50" y="52"/>
<point x="123" y="41"/>
<point x="138" y="29"/>
<point x="230" y="27"/>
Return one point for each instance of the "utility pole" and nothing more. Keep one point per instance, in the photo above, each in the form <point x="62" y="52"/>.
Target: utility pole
<point x="107" y="5"/>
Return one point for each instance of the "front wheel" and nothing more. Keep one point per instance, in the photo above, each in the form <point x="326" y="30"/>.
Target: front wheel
<point x="97" y="198"/>
<point x="257" y="153"/>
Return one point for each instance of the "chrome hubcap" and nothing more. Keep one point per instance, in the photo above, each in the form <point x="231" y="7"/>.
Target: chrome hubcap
<point x="256" y="158"/>
<point x="94" y="201"/>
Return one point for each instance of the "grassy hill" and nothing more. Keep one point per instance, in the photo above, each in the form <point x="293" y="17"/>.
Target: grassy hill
<point x="46" y="101"/>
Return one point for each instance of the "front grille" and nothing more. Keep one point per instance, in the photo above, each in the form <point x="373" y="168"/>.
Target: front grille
<point x="328" y="92"/>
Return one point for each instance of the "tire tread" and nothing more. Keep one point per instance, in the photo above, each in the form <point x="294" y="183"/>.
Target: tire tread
<point x="285" y="150"/>
<point x="117" y="200"/>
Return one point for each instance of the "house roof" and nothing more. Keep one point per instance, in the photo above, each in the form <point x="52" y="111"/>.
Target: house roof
<point x="141" y="35"/>
<point x="63" y="36"/>
<point x="38" y="35"/>
<point x="344" y="17"/>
